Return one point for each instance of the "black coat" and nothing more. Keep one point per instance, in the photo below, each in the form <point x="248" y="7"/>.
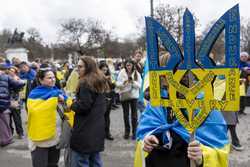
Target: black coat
<point x="174" y="157"/>
<point x="88" y="132"/>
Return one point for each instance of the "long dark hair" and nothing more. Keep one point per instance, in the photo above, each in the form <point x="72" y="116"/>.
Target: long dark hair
<point x="133" y="68"/>
<point x="103" y="64"/>
<point x="93" y="78"/>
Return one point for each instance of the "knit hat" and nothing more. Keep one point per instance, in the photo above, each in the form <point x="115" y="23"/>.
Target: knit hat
<point x="244" y="54"/>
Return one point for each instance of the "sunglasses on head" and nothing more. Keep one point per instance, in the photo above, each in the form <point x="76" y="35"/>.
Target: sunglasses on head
<point x="45" y="69"/>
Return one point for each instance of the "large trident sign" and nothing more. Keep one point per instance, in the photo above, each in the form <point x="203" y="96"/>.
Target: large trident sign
<point x="199" y="64"/>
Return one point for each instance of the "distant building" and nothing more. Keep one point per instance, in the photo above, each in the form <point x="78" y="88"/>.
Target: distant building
<point x="20" y="53"/>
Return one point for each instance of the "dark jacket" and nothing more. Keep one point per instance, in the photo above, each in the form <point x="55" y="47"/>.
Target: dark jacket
<point x="174" y="157"/>
<point x="88" y="132"/>
<point x="6" y="85"/>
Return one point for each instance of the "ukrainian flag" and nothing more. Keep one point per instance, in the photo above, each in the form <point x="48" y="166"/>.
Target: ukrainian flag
<point x="212" y="134"/>
<point x="145" y="81"/>
<point x="72" y="83"/>
<point x="42" y="110"/>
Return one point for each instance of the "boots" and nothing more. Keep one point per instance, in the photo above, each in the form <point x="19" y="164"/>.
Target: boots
<point x="109" y="137"/>
<point x="126" y="135"/>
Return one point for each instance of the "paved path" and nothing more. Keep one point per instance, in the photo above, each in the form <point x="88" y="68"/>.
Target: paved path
<point x="119" y="153"/>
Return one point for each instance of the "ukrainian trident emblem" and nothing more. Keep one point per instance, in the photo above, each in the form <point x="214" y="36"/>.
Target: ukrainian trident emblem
<point x="199" y="64"/>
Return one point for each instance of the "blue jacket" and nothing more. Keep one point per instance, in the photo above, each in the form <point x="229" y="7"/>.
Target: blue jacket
<point x="29" y="75"/>
<point x="6" y="85"/>
<point x="243" y="64"/>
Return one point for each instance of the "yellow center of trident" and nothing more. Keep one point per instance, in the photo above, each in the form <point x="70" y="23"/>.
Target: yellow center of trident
<point x="202" y="105"/>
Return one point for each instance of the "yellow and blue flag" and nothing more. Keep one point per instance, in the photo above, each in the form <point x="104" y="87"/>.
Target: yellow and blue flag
<point x="145" y="81"/>
<point x="212" y="134"/>
<point x="72" y="83"/>
<point x="42" y="109"/>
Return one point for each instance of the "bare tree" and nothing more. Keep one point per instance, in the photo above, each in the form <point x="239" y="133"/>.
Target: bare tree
<point x="81" y="34"/>
<point x="5" y="35"/>
<point x="34" y="43"/>
<point x="167" y="16"/>
<point x="34" y="35"/>
<point x="218" y="49"/>
<point x="170" y="18"/>
<point x="245" y="34"/>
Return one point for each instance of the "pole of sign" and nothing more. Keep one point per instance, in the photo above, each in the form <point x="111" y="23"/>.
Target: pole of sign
<point x="192" y="138"/>
<point x="192" y="135"/>
<point x="190" y="84"/>
<point x="151" y="8"/>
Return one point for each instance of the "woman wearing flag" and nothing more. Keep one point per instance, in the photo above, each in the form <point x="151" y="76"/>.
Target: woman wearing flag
<point x="163" y="140"/>
<point x="43" y="120"/>
<point x="167" y="142"/>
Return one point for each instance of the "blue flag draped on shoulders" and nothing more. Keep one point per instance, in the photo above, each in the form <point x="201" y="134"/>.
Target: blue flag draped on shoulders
<point x="212" y="134"/>
<point x="42" y="109"/>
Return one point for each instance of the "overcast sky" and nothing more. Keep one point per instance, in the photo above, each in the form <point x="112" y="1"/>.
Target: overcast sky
<point x="120" y="16"/>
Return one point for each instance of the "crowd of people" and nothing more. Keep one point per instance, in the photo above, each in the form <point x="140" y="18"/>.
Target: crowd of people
<point x="94" y="89"/>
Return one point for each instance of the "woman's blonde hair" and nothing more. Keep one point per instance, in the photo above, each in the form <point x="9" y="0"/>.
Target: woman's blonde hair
<point x="164" y="57"/>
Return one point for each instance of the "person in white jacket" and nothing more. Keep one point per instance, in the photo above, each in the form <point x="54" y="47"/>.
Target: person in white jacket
<point x="128" y="86"/>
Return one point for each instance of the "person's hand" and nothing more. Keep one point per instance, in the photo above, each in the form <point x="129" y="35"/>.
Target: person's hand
<point x="14" y="103"/>
<point x="245" y="68"/>
<point x="130" y="79"/>
<point x="60" y="98"/>
<point x="16" y="78"/>
<point x="195" y="152"/>
<point x="242" y="80"/>
<point x="150" y="142"/>
<point x="108" y="77"/>
<point x="74" y="100"/>
<point x="126" y="82"/>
